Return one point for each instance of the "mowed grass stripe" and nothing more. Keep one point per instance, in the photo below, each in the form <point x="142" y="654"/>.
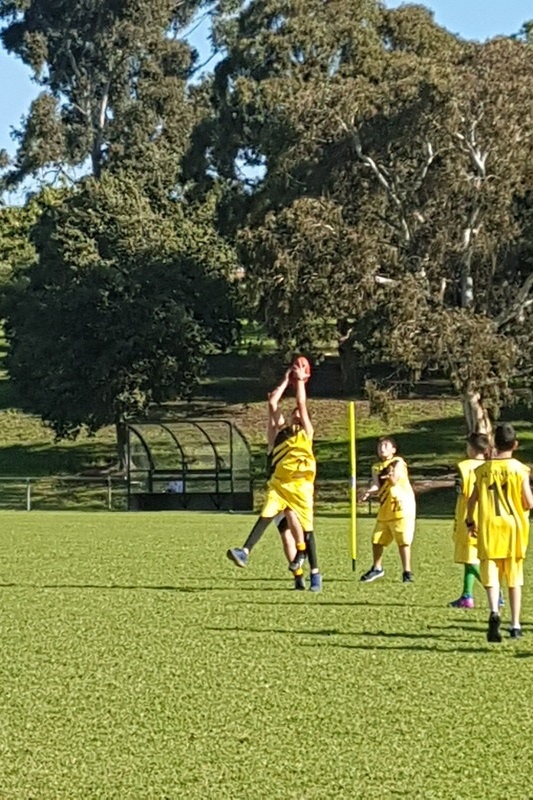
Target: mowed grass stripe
<point x="137" y="662"/>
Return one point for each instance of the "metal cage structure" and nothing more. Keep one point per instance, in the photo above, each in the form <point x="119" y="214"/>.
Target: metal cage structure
<point x="189" y="464"/>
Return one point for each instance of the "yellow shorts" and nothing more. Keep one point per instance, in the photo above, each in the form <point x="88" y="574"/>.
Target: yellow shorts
<point x="465" y="551"/>
<point x="296" y="495"/>
<point x="401" y="531"/>
<point x="494" y="571"/>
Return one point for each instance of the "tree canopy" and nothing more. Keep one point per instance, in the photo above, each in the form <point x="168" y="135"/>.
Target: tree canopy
<point x="395" y="173"/>
<point x="119" y="310"/>
<point x="114" y="85"/>
<point x="130" y="285"/>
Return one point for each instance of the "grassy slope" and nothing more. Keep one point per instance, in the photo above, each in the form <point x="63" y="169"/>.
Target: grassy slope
<point x="138" y="663"/>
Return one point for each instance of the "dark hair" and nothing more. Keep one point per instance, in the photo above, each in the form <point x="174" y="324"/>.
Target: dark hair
<point x="504" y="436"/>
<point x="390" y="439"/>
<point x="479" y="442"/>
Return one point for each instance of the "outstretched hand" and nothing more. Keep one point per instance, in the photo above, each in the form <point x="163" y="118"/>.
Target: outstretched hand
<point x="299" y="372"/>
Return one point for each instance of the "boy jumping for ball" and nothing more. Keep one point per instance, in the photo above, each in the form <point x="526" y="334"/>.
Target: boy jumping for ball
<point x="397" y="509"/>
<point x="291" y="484"/>
<point x="502" y="498"/>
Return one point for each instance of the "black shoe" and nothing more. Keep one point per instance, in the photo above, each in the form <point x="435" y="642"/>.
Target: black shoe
<point x="515" y="633"/>
<point x="407" y="577"/>
<point x="298" y="562"/>
<point x="372" y="575"/>
<point x="494" y="633"/>
<point x="299" y="583"/>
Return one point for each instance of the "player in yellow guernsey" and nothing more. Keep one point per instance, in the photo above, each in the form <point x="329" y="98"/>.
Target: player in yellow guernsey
<point x="502" y="498"/>
<point x="290" y="489"/>
<point x="397" y="510"/>
<point x="465" y="552"/>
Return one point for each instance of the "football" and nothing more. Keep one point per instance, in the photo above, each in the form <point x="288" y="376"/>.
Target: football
<point x="302" y="361"/>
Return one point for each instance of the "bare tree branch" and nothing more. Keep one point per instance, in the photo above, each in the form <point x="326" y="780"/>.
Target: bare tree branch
<point x="381" y="175"/>
<point x="430" y="157"/>
<point x="517" y="308"/>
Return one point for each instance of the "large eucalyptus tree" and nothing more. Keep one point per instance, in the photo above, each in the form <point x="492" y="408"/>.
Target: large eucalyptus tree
<point x="377" y="168"/>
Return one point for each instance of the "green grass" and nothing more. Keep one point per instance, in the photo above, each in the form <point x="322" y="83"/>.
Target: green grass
<point x="138" y="663"/>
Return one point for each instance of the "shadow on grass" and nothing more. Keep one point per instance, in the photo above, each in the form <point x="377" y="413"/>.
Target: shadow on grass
<point x="414" y="648"/>
<point x="241" y="629"/>
<point x="8" y="396"/>
<point x="261" y="580"/>
<point x="467" y="625"/>
<point x="337" y="603"/>
<point x="327" y="632"/>
<point x="431" y="447"/>
<point x="333" y="632"/>
<point x="141" y="587"/>
<point x="246" y="378"/>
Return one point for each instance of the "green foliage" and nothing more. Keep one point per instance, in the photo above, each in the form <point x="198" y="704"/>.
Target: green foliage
<point x="294" y="297"/>
<point x="17" y="251"/>
<point x="396" y="166"/>
<point x="114" y="86"/>
<point x="120" y="309"/>
<point x="380" y="401"/>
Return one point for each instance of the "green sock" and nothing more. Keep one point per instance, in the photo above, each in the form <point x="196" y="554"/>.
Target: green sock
<point x="471" y="575"/>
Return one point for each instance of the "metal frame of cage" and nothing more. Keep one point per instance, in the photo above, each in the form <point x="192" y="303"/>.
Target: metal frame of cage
<point x="191" y="497"/>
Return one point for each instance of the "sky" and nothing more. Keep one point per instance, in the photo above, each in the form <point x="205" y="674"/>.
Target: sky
<point x="471" y="19"/>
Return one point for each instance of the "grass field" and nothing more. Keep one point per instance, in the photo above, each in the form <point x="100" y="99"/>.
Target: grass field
<point x="138" y="663"/>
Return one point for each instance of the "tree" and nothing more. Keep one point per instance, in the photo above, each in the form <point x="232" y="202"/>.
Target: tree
<point x="114" y="78"/>
<point x="131" y="284"/>
<point x="451" y="216"/>
<point x="416" y="146"/>
<point x="119" y="310"/>
<point x="16" y="249"/>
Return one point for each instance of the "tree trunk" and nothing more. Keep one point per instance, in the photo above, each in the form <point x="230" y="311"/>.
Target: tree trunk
<point x="351" y="373"/>
<point x="121" y="434"/>
<point x="476" y="416"/>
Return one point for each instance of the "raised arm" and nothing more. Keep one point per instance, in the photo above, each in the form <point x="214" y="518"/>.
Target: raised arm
<point x="301" y="376"/>
<point x="276" y="419"/>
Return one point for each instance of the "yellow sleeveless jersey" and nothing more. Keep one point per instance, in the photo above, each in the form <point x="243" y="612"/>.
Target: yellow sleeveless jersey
<point x="503" y="523"/>
<point x="292" y="456"/>
<point x="398" y="501"/>
<point x="464" y="484"/>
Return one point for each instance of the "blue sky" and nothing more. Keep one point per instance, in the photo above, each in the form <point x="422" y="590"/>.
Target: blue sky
<point x="472" y="19"/>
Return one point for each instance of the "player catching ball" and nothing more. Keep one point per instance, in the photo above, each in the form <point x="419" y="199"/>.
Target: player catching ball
<point x="290" y="488"/>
